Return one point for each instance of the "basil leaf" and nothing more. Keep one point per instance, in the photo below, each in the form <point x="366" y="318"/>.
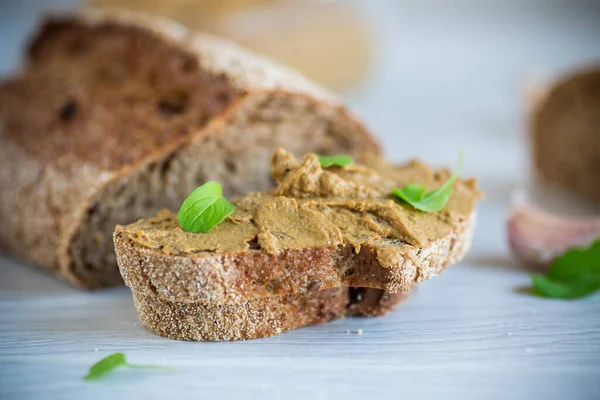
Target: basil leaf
<point x="548" y="288"/>
<point x="342" y="160"/>
<point x="204" y="209"/>
<point x="573" y="275"/>
<point x="576" y="263"/>
<point x="106" y="365"/>
<point x="417" y="196"/>
<point x="413" y="191"/>
<point x="112" y="362"/>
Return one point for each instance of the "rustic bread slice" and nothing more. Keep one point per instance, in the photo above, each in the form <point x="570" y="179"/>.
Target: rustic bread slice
<point x="566" y="134"/>
<point x="319" y="228"/>
<point x="118" y="115"/>
<point x="259" y="318"/>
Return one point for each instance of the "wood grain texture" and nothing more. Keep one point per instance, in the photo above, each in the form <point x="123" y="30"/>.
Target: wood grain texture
<point x="466" y="334"/>
<point x="466" y="330"/>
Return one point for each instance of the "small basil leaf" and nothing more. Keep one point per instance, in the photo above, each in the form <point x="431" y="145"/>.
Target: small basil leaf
<point x="106" y="365"/>
<point x="417" y="196"/>
<point x="114" y="361"/>
<point x="340" y="160"/>
<point x="573" y="275"/>
<point x="411" y="193"/>
<point x="204" y="209"/>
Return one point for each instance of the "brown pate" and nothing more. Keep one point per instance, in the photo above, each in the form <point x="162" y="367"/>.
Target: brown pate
<point x="313" y="206"/>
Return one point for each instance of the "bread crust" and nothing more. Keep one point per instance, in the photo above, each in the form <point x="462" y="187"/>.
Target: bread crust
<point x="45" y="201"/>
<point x="257" y="318"/>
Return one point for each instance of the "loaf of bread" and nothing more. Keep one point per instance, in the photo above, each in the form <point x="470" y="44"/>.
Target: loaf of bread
<point x="566" y="134"/>
<point x="117" y="115"/>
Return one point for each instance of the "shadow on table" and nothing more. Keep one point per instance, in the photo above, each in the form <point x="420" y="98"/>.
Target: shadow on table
<point x="110" y="315"/>
<point x="20" y="279"/>
<point x="495" y="261"/>
<point x="74" y="315"/>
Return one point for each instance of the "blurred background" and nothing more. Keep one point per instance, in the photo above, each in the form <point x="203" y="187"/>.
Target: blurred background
<point x="429" y="77"/>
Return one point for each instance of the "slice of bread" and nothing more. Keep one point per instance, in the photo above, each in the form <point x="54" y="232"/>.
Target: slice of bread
<point x="117" y="115"/>
<point x="566" y="134"/>
<point x="259" y="318"/>
<point x="358" y="237"/>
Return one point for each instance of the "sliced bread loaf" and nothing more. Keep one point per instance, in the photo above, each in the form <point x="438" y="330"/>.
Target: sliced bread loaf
<point x="118" y="115"/>
<point x="566" y="134"/>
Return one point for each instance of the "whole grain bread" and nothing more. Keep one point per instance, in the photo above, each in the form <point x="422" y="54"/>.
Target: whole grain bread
<point x="259" y="318"/>
<point x="118" y="115"/>
<point x="566" y="133"/>
<point x="396" y="249"/>
<point x="234" y="278"/>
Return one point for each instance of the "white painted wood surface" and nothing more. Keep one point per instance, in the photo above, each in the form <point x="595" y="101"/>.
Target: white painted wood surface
<point x="446" y="79"/>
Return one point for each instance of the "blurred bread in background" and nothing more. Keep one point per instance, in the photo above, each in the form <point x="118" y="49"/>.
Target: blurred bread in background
<point x="566" y="133"/>
<point x="327" y="41"/>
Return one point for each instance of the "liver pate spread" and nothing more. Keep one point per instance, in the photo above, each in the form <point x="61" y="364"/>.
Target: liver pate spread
<point x="313" y="206"/>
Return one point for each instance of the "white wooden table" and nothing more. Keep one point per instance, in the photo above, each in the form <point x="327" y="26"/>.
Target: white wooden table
<point x="446" y="79"/>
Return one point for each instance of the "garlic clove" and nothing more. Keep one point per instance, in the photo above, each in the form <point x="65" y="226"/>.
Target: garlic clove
<point x="537" y="237"/>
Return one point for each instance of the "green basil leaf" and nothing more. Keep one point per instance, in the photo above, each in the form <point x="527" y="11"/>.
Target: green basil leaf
<point x="114" y="361"/>
<point x="106" y="365"/>
<point x="204" y="209"/>
<point x="576" y="263"/>
<point x="412" y="193"/>
<point x="417" y="196"/>
<point x="548" y="288"/>
<point x="573" y="275"/>
<point x="342" y="160"/>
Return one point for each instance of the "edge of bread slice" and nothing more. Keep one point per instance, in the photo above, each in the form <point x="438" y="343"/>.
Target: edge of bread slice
<point x="190" y="279"/>
<point x="320" y="227"/>
<point x="259" y="318"/>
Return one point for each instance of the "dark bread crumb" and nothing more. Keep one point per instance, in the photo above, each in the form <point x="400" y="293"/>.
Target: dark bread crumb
<point x="67" y="111"/>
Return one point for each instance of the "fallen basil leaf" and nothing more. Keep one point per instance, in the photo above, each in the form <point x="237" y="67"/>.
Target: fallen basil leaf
<point x="340" y="160"/>
<point x="106" y="365"/>
<point x="114" y="361"/>
<point x="417" y="196"/>
<point x="573" y="275"/>
<point x="204" y="209"/>
<point x="548" y="288"/>
<point x="577" y="263"/>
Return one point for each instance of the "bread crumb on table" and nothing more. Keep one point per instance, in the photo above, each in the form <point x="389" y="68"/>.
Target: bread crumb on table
<point x="356" y="332"/>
